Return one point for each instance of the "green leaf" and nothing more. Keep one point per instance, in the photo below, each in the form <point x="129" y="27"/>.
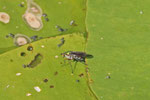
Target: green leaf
<point x="59" y="13"/>
<point x="119" y="40"/>
<point x="61" y="85"/>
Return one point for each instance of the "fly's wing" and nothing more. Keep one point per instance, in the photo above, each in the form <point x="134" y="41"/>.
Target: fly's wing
<point x="82" y="54"/>
<point x="79" y="54"/>
<point x="89" y="56"/>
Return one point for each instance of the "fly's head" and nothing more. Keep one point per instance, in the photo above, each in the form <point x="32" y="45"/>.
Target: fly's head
<point x="66" y="55"/>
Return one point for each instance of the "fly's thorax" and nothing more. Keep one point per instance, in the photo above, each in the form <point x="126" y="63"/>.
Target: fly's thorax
<point x="69" y="57"/>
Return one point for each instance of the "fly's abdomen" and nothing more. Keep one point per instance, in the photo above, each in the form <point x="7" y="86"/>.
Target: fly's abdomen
<point x="78" y="58"/>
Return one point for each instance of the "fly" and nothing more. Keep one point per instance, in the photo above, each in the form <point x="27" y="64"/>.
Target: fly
<point x="76" y="57"/>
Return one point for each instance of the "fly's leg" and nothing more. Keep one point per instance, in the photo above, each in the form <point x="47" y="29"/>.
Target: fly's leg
<point x="71" y="67"/>
<point x="75" y="65"/>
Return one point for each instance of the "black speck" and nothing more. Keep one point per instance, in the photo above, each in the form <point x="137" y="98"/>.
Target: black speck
<point x="47" y="19"/>
<point x="77" y="80"/>
<point x="23" y="54"/>
<point x="34" y="38"/>
<point x="45" y="80"/>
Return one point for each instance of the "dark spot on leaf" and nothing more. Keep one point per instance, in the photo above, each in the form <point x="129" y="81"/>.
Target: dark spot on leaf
<point x="37" y="60"/>
<point x="56" y="73"/>
<point x="61" y="63"/>
<point x="30" y="48"/>
<point x="11" y="60"/>
<point x="81" y="75"/>
<point x="23" y="54"/>
<point x="51" y="86"/>
<point x="7" y="36"/>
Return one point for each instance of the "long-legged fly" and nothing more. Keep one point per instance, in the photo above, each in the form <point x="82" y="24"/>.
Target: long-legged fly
<point x="76" y="57"/>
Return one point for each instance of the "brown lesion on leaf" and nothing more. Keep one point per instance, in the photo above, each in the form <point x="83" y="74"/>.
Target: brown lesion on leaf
<point x="4" y="17"/>
<point x="33" y="16"/>
<point x="36" y="61"/>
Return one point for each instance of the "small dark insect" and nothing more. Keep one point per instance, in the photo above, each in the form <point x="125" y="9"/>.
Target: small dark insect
<point x="77" y="80"/>
<point x="21" y="5"/>
<point x="30" y="48"/>
<point x="34" y="38"/>
<point x="61" y="29"/>
<point x="11" y="35"/>
<point x="44" y="14"/>
<point x="76" y="57"/>
<point x="47" y="19"/>
<point x="62" y="42"/>
<point x="45" y="80"/>
<point x="51" y="86"/>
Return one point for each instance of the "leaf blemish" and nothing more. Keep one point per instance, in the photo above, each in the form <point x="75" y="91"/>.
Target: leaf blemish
<point x="37" y="60"/>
